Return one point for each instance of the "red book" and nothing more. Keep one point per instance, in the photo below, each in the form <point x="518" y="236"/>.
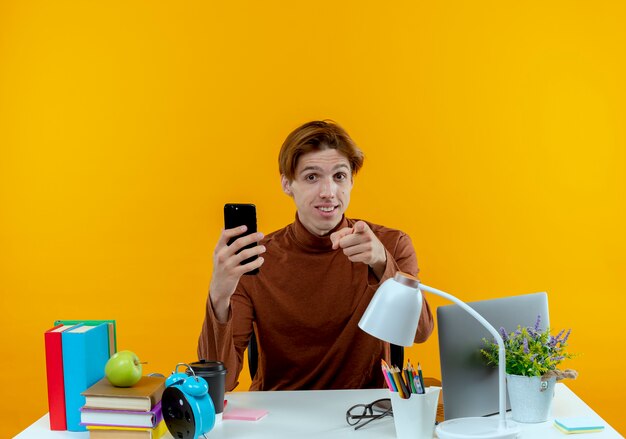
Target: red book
<point x="54" y="372"/>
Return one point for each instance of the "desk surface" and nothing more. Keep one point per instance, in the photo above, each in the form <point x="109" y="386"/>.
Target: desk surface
<point x="321" y="414"/>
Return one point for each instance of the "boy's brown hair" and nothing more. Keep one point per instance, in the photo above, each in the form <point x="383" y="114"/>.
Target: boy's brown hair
<point x="317" y="136"/>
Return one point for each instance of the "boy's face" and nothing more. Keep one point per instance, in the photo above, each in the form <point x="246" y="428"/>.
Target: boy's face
<point x="321" y="189"/>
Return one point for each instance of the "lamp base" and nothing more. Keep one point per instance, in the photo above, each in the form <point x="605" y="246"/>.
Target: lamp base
<point x="471" y="428"/>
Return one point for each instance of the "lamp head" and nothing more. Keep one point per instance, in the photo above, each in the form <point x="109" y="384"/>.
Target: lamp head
<point x="394" y="312"/>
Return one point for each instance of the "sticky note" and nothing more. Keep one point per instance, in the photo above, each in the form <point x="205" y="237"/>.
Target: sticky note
<point x="578" y="425"/>
<point x="239" y="414"/>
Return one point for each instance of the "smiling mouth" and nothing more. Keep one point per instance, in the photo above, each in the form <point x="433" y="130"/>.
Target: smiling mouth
<point x="327" y="209"/>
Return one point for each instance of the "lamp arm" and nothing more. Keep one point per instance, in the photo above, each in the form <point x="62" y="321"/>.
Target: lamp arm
<point x="494" y="333"/>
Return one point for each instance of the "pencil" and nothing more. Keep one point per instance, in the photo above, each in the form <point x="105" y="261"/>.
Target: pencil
<point x="408" y="381"/>
<point x="412" y="371"/>
<point x="386" y="375"/>
<point x="391" y="380"/>
<point x="397" y="380"/>
<point x="389" y="373"/>
<point x="418" y="386"/>
<point x="411" y="376"/>
<point x="419" y="373"/>
<point x="405" y="392"/>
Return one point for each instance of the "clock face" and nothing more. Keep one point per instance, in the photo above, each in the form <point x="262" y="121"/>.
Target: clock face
<point x="178" y="414"/>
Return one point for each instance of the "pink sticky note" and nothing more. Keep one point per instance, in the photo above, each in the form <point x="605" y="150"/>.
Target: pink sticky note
<point x="236" y="414"/>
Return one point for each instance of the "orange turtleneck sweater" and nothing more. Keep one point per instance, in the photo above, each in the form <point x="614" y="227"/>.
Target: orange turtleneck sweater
<point x="305" y="304"/>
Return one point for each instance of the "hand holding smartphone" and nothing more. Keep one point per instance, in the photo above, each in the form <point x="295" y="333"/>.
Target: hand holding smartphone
<point x="236" y="215"/>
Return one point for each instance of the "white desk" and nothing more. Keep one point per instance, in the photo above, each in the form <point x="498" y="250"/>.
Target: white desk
<point x="321" y="414"/>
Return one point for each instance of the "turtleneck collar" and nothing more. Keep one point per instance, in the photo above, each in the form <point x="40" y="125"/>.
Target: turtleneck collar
<point x="312" y="242"/>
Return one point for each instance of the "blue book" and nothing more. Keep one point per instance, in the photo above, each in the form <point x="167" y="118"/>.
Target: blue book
<point x="85" y="353"/>
<point x="112" y="329"/>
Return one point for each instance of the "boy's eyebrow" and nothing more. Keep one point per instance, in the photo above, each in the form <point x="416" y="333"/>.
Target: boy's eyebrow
<point x="318" y="168"/>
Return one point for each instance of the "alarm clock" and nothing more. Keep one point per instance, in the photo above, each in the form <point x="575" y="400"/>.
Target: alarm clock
<point x="188" y="410"/>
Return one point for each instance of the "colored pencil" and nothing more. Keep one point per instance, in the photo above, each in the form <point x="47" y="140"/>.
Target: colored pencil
<point x="411" y="370"/>
<point x="419" y="373"/>
<point x="405" y="392"/>
<point x="386" y="376"/>
<point x="397" y="380"/>
<point x="389" y="374"/>
<point x="408" y="381"/>
<point x="418" y="385"/>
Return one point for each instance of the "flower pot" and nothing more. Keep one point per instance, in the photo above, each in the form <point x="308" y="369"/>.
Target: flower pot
<point x="530" y="397"/>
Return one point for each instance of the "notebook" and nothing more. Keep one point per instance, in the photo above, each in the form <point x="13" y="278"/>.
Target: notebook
<point x="470" y="387"/>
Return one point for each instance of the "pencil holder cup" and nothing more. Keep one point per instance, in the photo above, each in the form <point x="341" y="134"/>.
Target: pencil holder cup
<point x="414" y="417"/>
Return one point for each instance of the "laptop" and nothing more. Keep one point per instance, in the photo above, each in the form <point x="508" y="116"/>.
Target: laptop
<point x="470" y="387"/>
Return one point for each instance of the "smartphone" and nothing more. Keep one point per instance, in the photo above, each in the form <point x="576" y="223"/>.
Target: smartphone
<point x="236" y="215"/>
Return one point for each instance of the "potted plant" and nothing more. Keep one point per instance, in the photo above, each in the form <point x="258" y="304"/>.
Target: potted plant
<point x="532" y="357"/>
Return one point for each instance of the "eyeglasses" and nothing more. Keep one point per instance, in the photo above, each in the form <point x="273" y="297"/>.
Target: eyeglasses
<point x="361" y="412"/>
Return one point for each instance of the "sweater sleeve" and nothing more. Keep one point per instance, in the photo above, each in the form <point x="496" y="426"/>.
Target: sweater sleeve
<point x="403" y="258"/>
<point x="227" y="341"/>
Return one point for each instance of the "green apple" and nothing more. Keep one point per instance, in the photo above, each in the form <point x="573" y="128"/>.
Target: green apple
<point x="123" y="369"/>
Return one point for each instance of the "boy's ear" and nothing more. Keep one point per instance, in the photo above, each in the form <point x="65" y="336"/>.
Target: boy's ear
<point x="286" y="185"/>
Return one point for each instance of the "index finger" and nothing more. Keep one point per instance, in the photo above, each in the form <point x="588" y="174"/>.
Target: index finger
<point x="335" y="237"/>
<point x="360" y="227"/>
<point x="227" y="234"/>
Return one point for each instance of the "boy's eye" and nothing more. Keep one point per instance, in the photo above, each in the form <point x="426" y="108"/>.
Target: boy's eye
<point x="340" y="176"/>
<point x="311" y="177"/>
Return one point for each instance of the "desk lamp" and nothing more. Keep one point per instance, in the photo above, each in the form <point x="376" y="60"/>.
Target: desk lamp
<point x="393" y="316"/>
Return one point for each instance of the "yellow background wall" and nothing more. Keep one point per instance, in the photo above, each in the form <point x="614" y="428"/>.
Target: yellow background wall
<point x="494" y="134"/>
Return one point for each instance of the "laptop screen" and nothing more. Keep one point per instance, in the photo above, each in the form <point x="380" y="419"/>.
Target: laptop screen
<point x="470" y="387"/>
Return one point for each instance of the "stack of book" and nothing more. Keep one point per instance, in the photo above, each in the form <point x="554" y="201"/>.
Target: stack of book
<point x="76" y="353"/>
<point x="124" y="412"/>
